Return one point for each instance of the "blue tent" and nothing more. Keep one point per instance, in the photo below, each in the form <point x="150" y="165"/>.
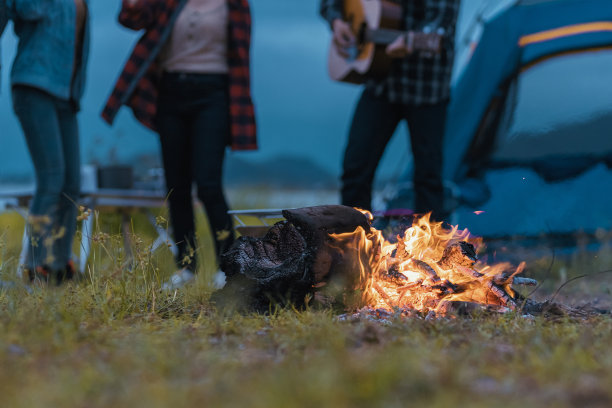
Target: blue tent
<point x="529" y="133"/>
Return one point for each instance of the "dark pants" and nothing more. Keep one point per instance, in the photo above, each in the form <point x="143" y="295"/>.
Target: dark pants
<point x="193" y="124"/>
<point x="51" y="132"/>
<point x="374" y="122"/>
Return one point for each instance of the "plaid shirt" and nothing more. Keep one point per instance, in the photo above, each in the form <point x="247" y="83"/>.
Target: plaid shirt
<point x="137" y="84"/>
<point x="416" y="80"/>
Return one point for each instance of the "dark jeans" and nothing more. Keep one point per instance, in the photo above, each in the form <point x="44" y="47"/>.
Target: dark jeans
<point x="374" y="122"/>
<point x="51" y="132"/>
<point x="193" y="124"/>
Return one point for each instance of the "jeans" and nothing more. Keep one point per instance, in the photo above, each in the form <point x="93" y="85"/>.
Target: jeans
<point x="51" y="131"/>
<point x="374" y="122"/>
<point x="193" y="125"/>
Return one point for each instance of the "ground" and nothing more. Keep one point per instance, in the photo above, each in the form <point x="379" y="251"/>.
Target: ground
<point x="113" y="339"/>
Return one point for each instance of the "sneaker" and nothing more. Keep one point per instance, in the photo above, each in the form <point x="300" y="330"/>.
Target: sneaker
<point x="179" y="279"/>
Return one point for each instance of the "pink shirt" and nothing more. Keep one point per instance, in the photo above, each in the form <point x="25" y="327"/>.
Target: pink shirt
<point x="198" y="43"/>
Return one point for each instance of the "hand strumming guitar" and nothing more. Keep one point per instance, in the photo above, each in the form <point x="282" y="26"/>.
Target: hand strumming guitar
<point x="343" y="36"/>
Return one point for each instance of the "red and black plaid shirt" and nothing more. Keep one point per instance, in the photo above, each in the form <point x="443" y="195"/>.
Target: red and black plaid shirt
<point x="137" y="84"/>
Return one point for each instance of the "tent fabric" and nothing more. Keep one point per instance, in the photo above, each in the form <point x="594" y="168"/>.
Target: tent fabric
<point x="523" y="34"/>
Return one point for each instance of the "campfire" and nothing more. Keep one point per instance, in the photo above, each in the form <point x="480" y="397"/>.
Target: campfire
<point x="429" y="267"/>
<point x="332" y="255"/>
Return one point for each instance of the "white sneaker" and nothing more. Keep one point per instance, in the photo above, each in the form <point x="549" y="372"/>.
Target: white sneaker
<point x="179" y="279"/>
<point x="219" y="279"/>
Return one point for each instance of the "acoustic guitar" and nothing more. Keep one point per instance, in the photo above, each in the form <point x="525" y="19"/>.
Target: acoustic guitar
<point x="375" y="24"/>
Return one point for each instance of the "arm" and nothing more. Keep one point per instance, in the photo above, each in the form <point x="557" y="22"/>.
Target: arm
<point x="331" y="10"/>
<point x="27" y="9"/>
<point x="138" y="14"/>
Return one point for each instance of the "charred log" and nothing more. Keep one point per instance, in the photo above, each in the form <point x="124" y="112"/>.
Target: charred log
<point x="458" y="254"/>
<point x="524" y="281"/>
<point x="504" y="298"/>
<point x="294" y="257"/>
<point x="394" y="276"/>
<point x="262" y="272"/>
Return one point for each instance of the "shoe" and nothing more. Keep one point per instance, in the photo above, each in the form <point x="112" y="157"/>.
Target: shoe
<point x="219" y="280"/>
<point x="40" y="275"/>
<point x="179" y="279"/>
<point x="68" y="273"/>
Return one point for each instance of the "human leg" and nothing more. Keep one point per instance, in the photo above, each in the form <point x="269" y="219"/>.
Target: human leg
<point x="173" y="128"/>
<point x="69" y="197"/>
<point x="210" y="134"/>
<point x="374" y="122"/>
<point x="427" y="124"/>
<point x="36" y="111"/>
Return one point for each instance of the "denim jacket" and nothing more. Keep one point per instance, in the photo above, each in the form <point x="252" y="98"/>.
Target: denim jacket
<point x="46" y="52"/>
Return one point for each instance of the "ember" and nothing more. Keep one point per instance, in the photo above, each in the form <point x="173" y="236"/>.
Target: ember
<point x="333" y="253"/>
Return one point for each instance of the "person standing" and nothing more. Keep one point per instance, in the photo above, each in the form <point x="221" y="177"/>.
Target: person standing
<point x="417" y="89"/>
<point x="47" y="81"/>
<point x="188" y="79"/>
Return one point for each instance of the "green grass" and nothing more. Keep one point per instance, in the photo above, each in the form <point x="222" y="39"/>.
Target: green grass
<point x="114" y="339"/>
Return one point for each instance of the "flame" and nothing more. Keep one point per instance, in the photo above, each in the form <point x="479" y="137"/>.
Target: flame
<point x="428" y="267"/>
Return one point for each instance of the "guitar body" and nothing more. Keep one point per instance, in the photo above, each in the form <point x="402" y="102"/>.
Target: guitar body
<point x="367" y="59"/>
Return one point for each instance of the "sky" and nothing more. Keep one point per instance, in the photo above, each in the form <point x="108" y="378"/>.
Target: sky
<point x="303" y="116"/>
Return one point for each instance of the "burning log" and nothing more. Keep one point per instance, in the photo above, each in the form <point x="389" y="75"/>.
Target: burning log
<point x="506" y="277"/>
<point x="460" y="257"/>
<point x="460" y="253"/>
<point x="425" y="269"/>
<point x="383" y="294"/>
<point x="501" y="294"/>
<point x="394" y="276"/>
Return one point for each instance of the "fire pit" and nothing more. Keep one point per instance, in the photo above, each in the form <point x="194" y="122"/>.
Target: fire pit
<point x="332" y="255"/>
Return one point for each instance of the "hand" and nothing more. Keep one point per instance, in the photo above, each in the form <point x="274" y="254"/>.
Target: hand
<point x="343" y="36"/>
<point x="402" y="46"/>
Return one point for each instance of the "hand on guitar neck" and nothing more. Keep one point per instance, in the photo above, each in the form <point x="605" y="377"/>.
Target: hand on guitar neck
<point x="403" y="45"/>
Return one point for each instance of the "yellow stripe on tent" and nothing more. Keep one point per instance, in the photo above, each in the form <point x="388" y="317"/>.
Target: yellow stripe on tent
<point x="566" y="31"/>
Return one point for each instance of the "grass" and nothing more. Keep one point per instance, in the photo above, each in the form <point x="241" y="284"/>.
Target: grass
<point x="114" y="339"/>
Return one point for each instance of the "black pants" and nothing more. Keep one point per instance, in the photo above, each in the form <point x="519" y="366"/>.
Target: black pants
<point x="374" y="122"/>
<point x="193" y="124"/>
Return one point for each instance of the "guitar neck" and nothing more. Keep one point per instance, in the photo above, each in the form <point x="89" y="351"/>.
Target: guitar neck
<point x="382" y="36"/>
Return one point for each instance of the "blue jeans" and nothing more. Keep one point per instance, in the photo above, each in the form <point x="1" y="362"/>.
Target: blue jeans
<point x="51" y="131"/>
